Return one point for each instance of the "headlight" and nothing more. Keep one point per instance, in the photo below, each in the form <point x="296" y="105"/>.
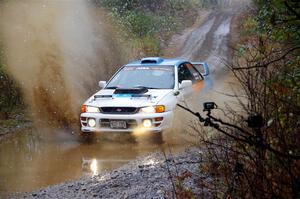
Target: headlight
<point x="89" y="109"/>
<point x="92" y="109"/>
<point x="153" y="109"/>
<point x="148" y="109"/>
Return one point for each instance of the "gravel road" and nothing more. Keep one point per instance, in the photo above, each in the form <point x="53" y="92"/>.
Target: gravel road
<point x="151" y="176"/>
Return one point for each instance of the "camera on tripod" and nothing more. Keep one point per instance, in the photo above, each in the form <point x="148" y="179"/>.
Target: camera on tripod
<point x="208" y="106"/>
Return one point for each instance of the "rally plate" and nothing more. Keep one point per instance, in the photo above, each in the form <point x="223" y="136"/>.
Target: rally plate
<point x="118" y="124"/>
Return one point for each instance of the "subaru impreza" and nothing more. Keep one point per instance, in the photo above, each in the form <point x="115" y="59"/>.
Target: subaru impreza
<point x="142" y="95"/>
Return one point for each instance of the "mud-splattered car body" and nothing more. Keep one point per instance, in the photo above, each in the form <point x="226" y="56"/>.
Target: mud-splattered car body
<point x="142" y="95"/>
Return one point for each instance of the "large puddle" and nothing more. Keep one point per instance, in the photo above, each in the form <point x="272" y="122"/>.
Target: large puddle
<point x="33" y="159"/>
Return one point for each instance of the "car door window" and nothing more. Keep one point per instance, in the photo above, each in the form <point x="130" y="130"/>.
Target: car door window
<point x="196" y="74"/>
<point x="184" y="73"/>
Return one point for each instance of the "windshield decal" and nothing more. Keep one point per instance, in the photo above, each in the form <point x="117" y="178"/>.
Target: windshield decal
<point x="131" y="96"/>
<point x="129" y="68"/>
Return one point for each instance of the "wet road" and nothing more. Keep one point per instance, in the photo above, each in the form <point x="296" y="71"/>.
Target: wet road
<point x="38" y="158"/>
<point x="34" y="159"/>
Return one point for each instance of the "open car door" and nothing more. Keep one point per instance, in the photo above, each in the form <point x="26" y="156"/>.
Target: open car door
<point x="202" y="67"/>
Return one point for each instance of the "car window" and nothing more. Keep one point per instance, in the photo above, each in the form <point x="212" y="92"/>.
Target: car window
<point x="196" y="75"/>
<point x="200" y="68"/>
<point x="184" y="73"/>
<point x="156" y="77"/>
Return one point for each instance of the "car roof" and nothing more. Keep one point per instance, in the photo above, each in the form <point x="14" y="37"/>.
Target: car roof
<point x="156" y="61"/>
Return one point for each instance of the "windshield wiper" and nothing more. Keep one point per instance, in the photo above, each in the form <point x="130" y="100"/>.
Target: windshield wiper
<point x="111" y="87"/>
<point x="145" y="87"/>
<point x="142" y="87"/>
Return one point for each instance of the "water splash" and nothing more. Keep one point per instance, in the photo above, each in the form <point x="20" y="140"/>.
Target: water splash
<point x="57" y="51"/>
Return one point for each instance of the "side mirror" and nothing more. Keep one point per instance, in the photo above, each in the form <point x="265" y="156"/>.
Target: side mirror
<point x="185" y="84"/>
<point x="102" y="84"/>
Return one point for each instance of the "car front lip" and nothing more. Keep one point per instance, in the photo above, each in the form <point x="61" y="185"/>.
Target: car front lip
<point x="139" y="117"/>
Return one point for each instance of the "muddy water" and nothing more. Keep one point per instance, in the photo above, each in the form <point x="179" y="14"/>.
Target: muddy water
<point x="37" y="158"/>
<point x="33" y="159"/>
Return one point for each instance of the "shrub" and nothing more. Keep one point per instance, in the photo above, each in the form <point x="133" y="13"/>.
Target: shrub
<point x="10" y="95"/>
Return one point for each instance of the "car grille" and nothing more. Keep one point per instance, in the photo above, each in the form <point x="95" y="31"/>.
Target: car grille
<point x="105" y="123"/>
<point x="118" y="110"/>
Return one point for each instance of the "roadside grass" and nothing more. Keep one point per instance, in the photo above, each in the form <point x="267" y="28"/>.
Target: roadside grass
<point x="11" y="102"/>
<point x="18" y="118"/>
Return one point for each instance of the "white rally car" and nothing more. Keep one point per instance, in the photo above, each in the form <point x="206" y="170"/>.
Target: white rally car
<point x="142" y="95"/>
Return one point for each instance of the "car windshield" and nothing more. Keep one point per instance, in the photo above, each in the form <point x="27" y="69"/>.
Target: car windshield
<point x="155" y="77"/>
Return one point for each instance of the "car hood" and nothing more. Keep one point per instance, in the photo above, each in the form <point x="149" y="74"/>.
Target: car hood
<point x="107" y="98"/>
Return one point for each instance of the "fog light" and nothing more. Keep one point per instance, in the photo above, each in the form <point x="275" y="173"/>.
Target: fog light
<point x="147" y="123"/>
<point x="91" y="122"/>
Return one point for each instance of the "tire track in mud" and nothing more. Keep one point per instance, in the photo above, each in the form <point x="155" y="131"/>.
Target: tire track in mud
<point x="196" y="39"/>
<point x="210" y="40"/>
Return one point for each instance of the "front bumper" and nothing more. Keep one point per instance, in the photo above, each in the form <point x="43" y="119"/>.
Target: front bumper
<point x="133" y="121"/>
